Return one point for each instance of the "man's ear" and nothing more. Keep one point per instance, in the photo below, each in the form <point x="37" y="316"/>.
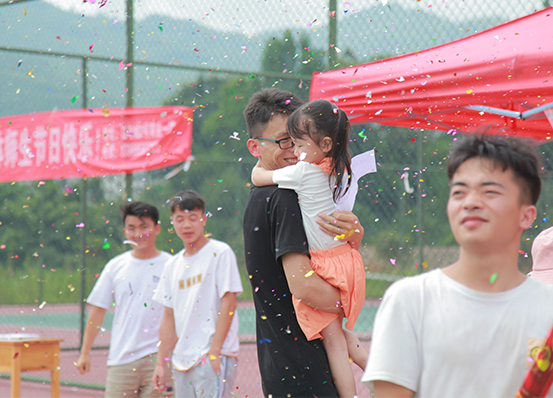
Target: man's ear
<point x="253" y="147"/>
<point x="326" y="144"/>
<point x="527" y="216"/>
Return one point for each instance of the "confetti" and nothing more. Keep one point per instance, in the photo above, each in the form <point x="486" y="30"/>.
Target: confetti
<point x="74" y="99"/>
<point x="393" y="261"/>
<point x="130" y="242"/>
<point x="122" y="64"/>
<point x="106" y="245"/>
<point x="493" y="278"/>
<point x="307" y="275"/>
<point x="264" y="341"/>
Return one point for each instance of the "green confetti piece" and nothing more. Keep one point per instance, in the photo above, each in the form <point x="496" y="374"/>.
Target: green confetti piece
<point x="252" y="76"/>
<point x="74" y="99"/>
<point x="493" y="278"/>
<point x="106" y="245"/>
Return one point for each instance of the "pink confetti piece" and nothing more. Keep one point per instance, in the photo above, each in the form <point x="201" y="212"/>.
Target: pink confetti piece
<point x="122" y="64"/>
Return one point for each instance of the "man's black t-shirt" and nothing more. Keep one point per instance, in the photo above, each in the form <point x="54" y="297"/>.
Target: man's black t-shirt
<point x="289" y="364"/>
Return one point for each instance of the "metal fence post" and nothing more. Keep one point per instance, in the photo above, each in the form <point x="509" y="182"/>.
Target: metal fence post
<point x="83" y="232"/>
<point x="129" y="81"/>
<point x="420" y="166"/>
<point x="332" y="27"/>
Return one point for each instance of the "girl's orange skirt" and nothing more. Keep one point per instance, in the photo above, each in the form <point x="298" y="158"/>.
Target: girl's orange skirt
<point x="342" y="267"/>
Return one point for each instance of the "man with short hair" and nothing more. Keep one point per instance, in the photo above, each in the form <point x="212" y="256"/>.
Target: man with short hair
<point x="198" y="289"/>
<point x="129" y="281"/>
<point x="468" y="329"/>
<point x="277" y="260"/>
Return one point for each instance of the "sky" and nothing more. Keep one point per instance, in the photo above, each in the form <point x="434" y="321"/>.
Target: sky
<point x="257" y="16"/>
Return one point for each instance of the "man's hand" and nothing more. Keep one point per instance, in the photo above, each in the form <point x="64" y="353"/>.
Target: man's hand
<point x="93" y="324"/>
<point x="167" y="341"/>
<point x="214" y="359"/>
<point x="343" y="225"/>
<point x="83" y="364"/>
<point x="159" y="377"/>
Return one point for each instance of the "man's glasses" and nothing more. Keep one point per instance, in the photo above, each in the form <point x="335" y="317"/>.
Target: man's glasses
<point x="284" y="143"/>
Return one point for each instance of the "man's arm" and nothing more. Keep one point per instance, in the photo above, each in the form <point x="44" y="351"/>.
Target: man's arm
<point x="93" y="324"/>
<point x="384" y="389"/>
<point x="344" y="225"/>
<point x="228" y="307"/>
<point x="262" y="177"/>
<point x="167" y="340"/>
<point x="307" y="286"/>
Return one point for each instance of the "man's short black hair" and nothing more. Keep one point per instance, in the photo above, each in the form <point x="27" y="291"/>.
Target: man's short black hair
<point x="514" y="153"/>
<point x="140" y="210"/>
<point x="264" y="104"/>
<point x="187" y="200"/>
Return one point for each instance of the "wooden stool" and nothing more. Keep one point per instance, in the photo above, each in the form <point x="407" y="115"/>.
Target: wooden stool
<point x="25" y="355"/>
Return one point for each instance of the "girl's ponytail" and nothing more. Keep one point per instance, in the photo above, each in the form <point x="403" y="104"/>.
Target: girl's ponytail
<point x="340" y="154"/>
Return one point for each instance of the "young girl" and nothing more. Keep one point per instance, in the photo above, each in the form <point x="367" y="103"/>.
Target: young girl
<point x="320" y="132"/>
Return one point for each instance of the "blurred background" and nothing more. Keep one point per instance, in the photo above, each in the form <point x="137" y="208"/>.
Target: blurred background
<point x="72" y="54"/>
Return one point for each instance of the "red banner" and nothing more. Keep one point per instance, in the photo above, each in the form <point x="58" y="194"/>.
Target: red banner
<point x="93" y="142"/>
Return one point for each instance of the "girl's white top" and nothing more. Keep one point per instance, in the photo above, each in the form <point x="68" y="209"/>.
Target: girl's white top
<point x="315" y="196"/>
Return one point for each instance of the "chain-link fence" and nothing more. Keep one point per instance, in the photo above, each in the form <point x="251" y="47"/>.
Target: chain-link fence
<point x="59" y="54"/>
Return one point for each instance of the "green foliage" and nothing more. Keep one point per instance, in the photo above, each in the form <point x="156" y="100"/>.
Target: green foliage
<point x="374" y="289"/>
<point x="36" y="284"/>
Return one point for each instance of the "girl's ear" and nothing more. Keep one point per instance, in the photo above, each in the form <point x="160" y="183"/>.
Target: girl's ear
<point x="326" y="144"/>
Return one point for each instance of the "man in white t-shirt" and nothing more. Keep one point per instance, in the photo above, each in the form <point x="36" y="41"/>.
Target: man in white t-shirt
<point x="198" y="288"/>
<point x="128" y="282"/>
<point x="468" y="330"/>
